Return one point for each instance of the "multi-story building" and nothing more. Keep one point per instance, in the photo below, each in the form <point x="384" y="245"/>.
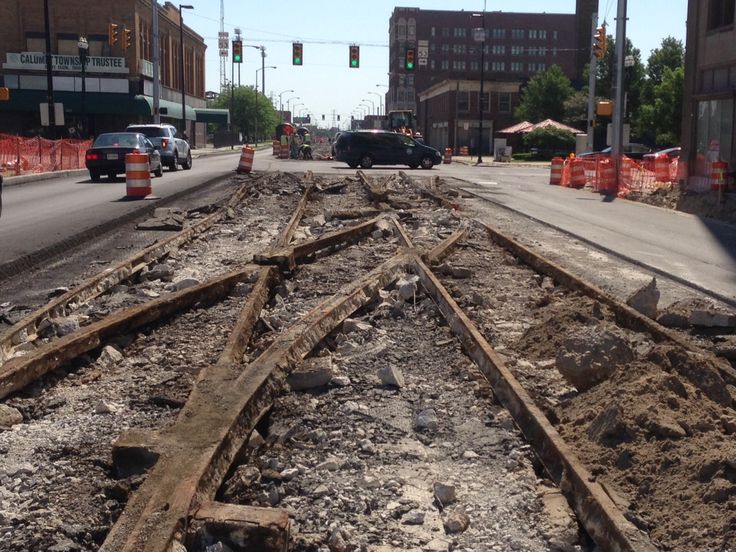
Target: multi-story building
<point x="443" y="88"/>
<point x="118" y="78"/>
<point x="708" y="96"/>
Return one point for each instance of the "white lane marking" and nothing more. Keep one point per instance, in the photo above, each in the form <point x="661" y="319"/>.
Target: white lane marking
<point x="487" y="182"/>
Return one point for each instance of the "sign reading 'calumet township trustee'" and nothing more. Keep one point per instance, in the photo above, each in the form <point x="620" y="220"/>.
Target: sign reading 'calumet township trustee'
<point x="36" y="61"/>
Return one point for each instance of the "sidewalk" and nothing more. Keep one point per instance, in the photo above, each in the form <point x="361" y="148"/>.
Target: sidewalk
<point x="488" y="161"/>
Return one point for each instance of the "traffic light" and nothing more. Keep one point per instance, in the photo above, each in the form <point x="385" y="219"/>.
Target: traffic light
<point x="297" y="52"/>
<point x="127" y="38"/>
<point x="112" y="34"/>
<point x="600" y="42"/>
<point x="354" y="57"/>
<point x="409" y="60"/>
<point x="237" y="51"/>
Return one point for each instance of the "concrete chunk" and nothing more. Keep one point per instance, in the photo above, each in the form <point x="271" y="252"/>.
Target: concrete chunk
<point x="311" y="374"/>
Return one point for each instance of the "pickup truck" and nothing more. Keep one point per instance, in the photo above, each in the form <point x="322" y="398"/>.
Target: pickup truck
<point x="174" y="150"/>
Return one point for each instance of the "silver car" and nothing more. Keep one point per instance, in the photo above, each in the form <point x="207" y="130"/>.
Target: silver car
<point x="174" y="150"/>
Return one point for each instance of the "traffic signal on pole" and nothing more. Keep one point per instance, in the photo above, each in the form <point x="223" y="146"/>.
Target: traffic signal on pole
<point x="354" y="57"/>
<point x="409" y="60"/>
<point x="297" y="53"/>
<point x="600" y="42"/>
<point x="112" y="34"/>
<point x="237" y="51"/>
<point x="127" y="38"/>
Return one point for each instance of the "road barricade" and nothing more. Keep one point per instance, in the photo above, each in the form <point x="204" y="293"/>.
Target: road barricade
<point x="662" y="169"/>
<point x="555" y="173"/>
<point x="577" y="173"/>
<point x="605" y="182"/>
<point x="276" y="147"/>
<point x="464" y="150"/>
<point x="718" y="176"/>
<point x="137" y="175"/>
<point x="245" y="165"/>
<point x="34" y="155"/>
<point x="447" y="158"/>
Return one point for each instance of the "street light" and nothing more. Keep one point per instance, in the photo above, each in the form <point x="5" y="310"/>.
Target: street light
<point x="281" y="104"/>
<point x="287" y="104"/>
<point x="380" y="101"/>
<point x="83" y="46"/>
<point x="293" y="107"/>
<point x="373" y="104"/>
<point x="181" y="65"/>
<point x="481" y="37"/>
<point x="255" y="125"/>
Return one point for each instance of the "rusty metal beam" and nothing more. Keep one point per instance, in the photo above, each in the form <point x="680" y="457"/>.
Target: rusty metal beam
<point x="218" y="417"/>
<point x="103" y="281"/>
<point x="444" y="248"/>
<point x="19" y="372"/>
<point x="404" y="236"/>
<point x="241" y="527"/>
<point x="625" y="315"/>
<point x="288" y="257"/>
<point x="433" y="195"/>
<point x="293" y="224"/>
<point x="603" y="521"/>
<point x="377" y="194"/>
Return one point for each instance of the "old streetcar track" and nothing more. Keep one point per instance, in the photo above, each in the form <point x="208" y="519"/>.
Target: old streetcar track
<point x="327" y="283"/>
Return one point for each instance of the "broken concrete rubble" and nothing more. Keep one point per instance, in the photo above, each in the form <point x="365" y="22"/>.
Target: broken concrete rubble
<point x="646" y="299"/>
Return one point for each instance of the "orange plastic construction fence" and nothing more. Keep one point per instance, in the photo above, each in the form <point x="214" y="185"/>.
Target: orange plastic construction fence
<point x="34" y="155"/>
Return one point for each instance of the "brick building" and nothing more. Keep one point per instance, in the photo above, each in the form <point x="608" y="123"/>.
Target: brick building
<point x="118" y="80"/>
<point x="708" y="96"/>
<point x="444" y="87"/>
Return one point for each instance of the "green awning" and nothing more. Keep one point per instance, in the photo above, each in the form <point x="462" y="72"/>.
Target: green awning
<point x="173" y="109"/>
<point x="211" y="115"/>
<point x="95" y="103"/>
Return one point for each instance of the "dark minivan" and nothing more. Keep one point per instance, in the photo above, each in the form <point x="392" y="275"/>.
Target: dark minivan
<point x="377" y="147"/>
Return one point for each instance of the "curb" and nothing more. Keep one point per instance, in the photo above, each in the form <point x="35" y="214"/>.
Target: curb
<point x="35" y="177"/>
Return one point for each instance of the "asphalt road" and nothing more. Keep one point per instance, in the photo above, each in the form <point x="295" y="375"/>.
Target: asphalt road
<point x="689" y="248"/>
<point x="40" y="214"/>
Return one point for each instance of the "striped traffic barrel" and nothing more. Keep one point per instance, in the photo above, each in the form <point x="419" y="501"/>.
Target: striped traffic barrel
<point x="555" y="174"/>
<point x="137" y="175"/>
<point x="246" y="159"/>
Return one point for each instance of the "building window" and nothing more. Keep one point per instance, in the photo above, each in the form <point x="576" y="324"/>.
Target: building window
<point x="433" y="32"/>
<point x="554" y="52"/>
<point x="517" y="50"/>
<point x="532" y="34"/>
<point x="543" y="51"/>
<point x="431" y="64"/>
<point x="499" y="49"/>
<point x="720" y="14"/>
<point x="714" y="134"/>
<point x="543" y="35"/>
<point x="485" y="102"/>
<point x="445" y="48"/>
<point x="533" y="51"/>
<point x="445" y="65"/>
<point x="498" y="66"/>
<point x="412" y="29"/>
<point x="554" y="35"/>
<point x="499" y="33"/>
<point x="445" y="32"/>
<point x="474" y="66"/>
<point x="517" y="67"/>
<point x="504" y="102"/>
<point x="432" y="47"/>
<point x="401" y="29"/>
<point x="463" y="103"/>
<point x="518" y="34"/>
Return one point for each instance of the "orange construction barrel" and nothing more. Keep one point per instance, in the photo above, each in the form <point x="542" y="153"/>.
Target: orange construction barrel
<point x="246" y="159"/>
<point x="447" y="158"/>
<point x="577" y="173"/>
<point x="555" y="174"/>
<point x="137" y="175"/>
<point x="276" y="147"/>
<point x="718" y="176"/>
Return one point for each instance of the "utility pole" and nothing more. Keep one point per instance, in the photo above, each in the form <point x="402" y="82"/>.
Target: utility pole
<point x="618" y="105"/>
<point x="592" y="68"/>
<point x="156" y="66"/>
<point x="49" y="71"/>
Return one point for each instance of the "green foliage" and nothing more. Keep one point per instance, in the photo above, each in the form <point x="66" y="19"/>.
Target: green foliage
<point x="251" y="112"/>
<point x="576" y="110"/>
<point x="544" y="96"/>
<point x="550" y="140"/>
<point x="661" y="120"/>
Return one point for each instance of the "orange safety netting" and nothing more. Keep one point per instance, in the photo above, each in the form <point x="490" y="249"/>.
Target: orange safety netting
<point x="33" y="155"/>
<point x="634" y="176"/>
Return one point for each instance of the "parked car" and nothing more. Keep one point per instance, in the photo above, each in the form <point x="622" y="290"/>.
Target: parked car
<point x="107" y="154"/>
<point x="380" y="147"/>
<point x="633" y="151"/>
<point x="671" y="153"/>
<point x="174" y="149"/>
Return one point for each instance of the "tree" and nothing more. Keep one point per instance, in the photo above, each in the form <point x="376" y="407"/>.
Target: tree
<point x="245" y="114"/>
<point x="550" y="140"/>
<point x="576" y="110"/>
<point x="544" y="96"/>
<point x="671" y="54"/>
<point x="661" y="120"/>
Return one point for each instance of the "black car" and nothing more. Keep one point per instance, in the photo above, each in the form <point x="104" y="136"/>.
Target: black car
<point x="377" y="147"/>
<point x="107" y="154"/>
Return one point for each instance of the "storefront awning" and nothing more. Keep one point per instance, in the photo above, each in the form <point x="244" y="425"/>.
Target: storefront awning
<point x="95" y="103"/>
<point x="211" y="115"/>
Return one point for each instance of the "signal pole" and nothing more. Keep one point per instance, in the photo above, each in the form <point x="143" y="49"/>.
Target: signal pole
<point x="618" y="105"/>
<point x="49" y="71"/>
<point x="591" y="86"/>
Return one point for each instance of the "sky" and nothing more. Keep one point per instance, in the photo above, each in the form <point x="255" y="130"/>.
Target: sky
<point x="325" y="85"/>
